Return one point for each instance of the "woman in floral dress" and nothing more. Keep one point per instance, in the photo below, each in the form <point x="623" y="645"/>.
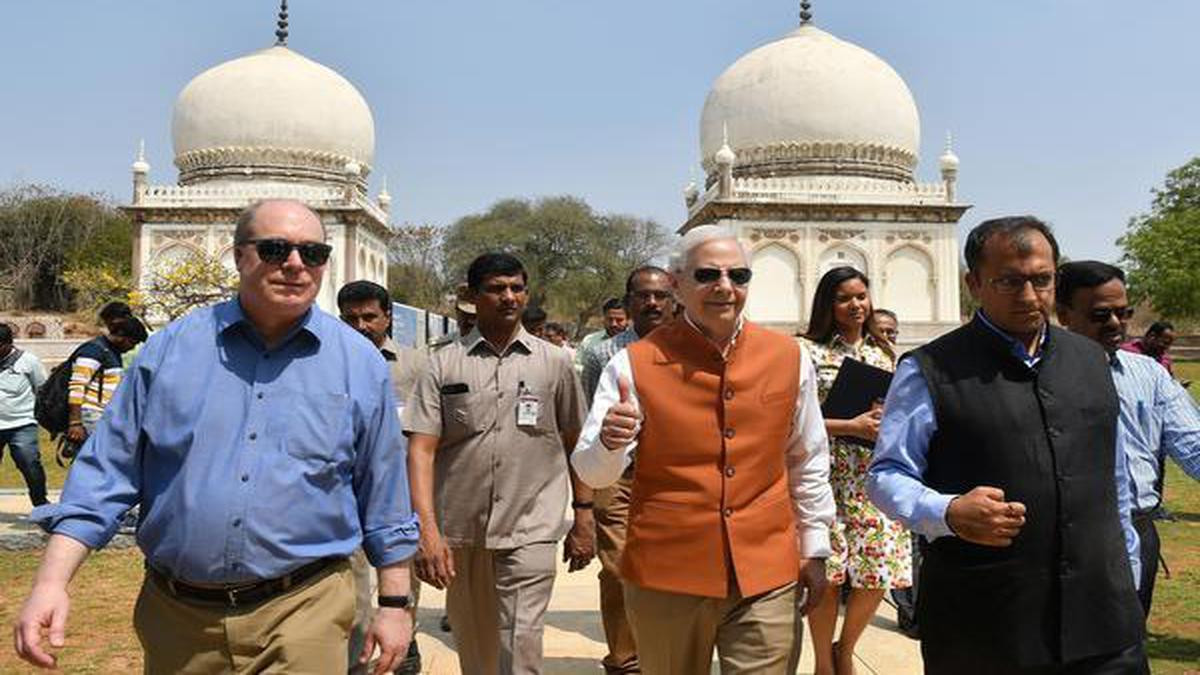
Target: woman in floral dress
<point x="870" y="552"/>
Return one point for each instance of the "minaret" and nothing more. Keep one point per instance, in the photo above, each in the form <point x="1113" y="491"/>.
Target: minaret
<point x="141" y="169"/>
<point x="352" y="170"/>
<point x="725" y="159"/>
<point x="384" y="199"/>
<point x="949" y="164"/>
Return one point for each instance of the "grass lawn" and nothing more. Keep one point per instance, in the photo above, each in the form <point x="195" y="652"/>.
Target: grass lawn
<point x="55" y="474"/>
<point x="101" y="639"/>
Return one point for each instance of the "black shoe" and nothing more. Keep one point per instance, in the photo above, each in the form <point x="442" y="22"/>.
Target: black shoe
<point x="411" y="665"/>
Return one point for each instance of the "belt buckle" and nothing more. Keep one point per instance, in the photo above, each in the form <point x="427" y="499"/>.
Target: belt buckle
<point x="232" y="595"/>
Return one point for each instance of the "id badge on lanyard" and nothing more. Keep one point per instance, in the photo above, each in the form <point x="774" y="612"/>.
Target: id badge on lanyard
<point x="528" y="407"/>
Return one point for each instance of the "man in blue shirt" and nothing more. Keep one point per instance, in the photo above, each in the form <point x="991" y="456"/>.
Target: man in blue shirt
<point x="999" y="444"/>
<point x="260" y="438"/>
<point x="1158" y="417"/>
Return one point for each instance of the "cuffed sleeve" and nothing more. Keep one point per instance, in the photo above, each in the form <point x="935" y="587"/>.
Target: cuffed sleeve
<point x="390" y="528"/>
<point x="595" y="464"/>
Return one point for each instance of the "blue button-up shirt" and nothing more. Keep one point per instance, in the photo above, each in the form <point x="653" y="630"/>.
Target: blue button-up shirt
<point x="1158" y="420"/>
<point x="248" y="462"/>
<point x="895" y="482"/>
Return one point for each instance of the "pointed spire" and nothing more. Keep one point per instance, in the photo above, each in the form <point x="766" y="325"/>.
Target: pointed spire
<point x="384" y="198"/>
<point x="948" y="161"/>
<point x="281" y="33"/>
<point x="805" y="12"/>
<point x="140" y="165"/>
<point x="725" y="154"/>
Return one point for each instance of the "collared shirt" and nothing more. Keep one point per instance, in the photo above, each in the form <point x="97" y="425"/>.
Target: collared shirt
<point x="1139" y="347"/>
<point x="407" y="365"/>
<point x="807" y="452"/>
<point x="597" y="356"/>
<point x="590" y="340"/>
<point x="895" y="481"/>
<point x="1158" y="419"/>
<point x="20" y="378"/>
<point x="248" y="461"/>
<point x="498" y="484"/>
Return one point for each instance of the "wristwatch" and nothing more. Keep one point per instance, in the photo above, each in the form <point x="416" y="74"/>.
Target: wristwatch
<point x="396" y="601"/>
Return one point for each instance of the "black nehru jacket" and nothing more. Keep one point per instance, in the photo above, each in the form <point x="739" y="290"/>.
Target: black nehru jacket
<point x="1046" y="436"/>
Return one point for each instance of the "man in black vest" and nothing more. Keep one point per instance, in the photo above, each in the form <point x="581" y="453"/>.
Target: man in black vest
<point x="998" y="444"/>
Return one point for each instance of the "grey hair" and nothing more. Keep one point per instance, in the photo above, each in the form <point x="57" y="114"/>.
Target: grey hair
<point x="245" y="219"/>
<point x="698" y="236"/>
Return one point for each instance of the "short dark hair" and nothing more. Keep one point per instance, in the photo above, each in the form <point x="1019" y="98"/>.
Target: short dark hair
<point x="114" y="310"/>
<point x="886" y="312"/>
<point x="644" y="269"/>
<point x="1160" y="327"/>
<point x="556" y="327"/>
<point x="1079" y="274"/>
<point x="494" y="265"/>
<point x="245" y="219"/>
<point x="611" y="304"/>
<point x="361" y="291"/>
<point x="1014" y="227"/>
<point x="6" y="334"/>
<point x="129" y="327"/>
<point x="533" y="314"/>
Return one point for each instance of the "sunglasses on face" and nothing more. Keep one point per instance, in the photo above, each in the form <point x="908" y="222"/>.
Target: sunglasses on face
<point x="276" y="251"/>
<point x="738" y="276"/>
<point x="1103" y="315"/>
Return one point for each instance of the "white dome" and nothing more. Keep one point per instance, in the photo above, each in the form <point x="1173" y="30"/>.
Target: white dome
<point x="271" y="113"/>
<point x="810" y="103"/>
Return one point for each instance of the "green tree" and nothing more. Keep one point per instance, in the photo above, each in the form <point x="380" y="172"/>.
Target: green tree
<point x="415" y="273"/>
<point x="179" y="286"/>
<point x="44" y="231"/>
<point x="576" y="258"/>
<point x="1162" y="247"/>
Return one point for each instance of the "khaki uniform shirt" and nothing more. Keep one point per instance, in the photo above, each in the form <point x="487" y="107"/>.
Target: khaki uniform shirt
<point x="497" y="484"/>
<point x="407" y="365"/>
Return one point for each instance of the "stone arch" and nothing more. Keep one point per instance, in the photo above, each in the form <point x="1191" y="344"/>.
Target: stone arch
<point x="908" y="284"/>
<point x="777" y="289"/>
<point x="843" y="254"/>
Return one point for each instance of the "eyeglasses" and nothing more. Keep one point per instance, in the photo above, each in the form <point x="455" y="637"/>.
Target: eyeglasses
<point x="738" y="276"/>
<point x="1103" y="315"/>
<point x="276" y="251"/>
<point x="1011" y="284"/>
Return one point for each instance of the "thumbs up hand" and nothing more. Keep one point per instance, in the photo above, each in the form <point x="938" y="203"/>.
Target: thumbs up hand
<point x="621" y="423"/>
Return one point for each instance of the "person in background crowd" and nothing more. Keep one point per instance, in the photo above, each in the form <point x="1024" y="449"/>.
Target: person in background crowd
<point x="96" y="374"/>
<point x="888" y="324"/>
<point x="999" y="444"/>
<point x="260" y="437"/>
<point x="1156" y="344"/>
<point x="615" y="320"/>
<point x="534" y="321"/>
<point x="110" y="314"/>
<point x="649" y="302"/>
<point x="367" y="308"/>
<point x="714" y="557"/>
<point x="21" y="375"/>
<point x="491" y="424"/>
<point x="871" y="553"/>
<point x="556" y="334"/>
<point x="1158" y="418"/>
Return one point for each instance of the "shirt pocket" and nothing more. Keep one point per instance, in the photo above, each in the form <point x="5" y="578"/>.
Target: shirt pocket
<point x="461" y="416"/>
<point x="547" y="417"/>
<point x="318" y="429"/>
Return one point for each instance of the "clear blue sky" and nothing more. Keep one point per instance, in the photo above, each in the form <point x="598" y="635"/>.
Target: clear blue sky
<point x="1071" y="110"/>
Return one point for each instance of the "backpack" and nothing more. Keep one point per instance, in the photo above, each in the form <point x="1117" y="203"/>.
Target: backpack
<point x="50" y="407"/>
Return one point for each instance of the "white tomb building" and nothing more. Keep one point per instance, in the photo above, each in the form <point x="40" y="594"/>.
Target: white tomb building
<point x="809" y="144"/>
<point x="270" y="124"/>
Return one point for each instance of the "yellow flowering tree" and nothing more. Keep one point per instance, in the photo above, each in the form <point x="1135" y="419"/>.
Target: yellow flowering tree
<point x="178" y="286"/>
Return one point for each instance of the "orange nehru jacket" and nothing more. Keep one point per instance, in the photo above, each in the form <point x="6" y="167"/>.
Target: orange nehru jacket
<point x="710" y="485"/>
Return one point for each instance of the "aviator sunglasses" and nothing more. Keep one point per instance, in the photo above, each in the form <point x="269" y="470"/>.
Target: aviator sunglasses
<point x="276" y="251"/>
<point x="738" y="276"/>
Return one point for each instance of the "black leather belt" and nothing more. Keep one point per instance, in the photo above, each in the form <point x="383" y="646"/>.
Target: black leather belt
<point x="244" y="595"/>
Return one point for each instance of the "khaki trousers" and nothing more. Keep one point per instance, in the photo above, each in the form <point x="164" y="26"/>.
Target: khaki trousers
<point x="676" y="633"/>
<point x="497" y="606"/>
<point x="366" y="586"/>
<point x="303" y="631"/>
<point x="612" y="513"/>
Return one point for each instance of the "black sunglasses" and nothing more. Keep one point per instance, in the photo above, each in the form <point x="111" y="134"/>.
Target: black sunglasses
<point x="738" y="276"/>
<point x="276" y="251"/>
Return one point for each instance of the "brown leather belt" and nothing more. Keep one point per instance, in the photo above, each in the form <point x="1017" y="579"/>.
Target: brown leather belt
<point x="244" y="595"/>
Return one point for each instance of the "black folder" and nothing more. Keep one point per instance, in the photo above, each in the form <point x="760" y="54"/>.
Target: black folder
<point x="857" y="387"/>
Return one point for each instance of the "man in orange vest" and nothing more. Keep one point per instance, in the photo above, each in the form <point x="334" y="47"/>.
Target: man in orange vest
<point x="731" y="506"/>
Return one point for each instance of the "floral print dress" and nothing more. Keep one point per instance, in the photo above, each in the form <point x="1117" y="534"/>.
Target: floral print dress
<point x="869" y="550"/>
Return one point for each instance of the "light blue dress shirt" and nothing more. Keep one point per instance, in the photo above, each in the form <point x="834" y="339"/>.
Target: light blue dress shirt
<point x="895" y="481"/>
<point x="248" y="462"/>
<point x="1159" y="419"/>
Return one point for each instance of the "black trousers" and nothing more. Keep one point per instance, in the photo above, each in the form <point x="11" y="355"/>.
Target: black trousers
<point x="961" y="659"/>
<point x="1150" y="547"/>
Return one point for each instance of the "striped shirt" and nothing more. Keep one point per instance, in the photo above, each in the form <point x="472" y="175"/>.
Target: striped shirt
<point x="94" y="376"/>
<point x="1158" y="419"/>
<point x="596" y="355"/>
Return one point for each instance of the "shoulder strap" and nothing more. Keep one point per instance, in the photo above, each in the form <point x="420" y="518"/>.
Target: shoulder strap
<point x="11" y="360"/>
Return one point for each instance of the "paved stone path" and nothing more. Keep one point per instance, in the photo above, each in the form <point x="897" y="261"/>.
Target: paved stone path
<point x="574" y="641"/>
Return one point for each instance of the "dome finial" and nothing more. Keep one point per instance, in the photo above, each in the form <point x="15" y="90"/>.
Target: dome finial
<point x="805" y="12"/>
<point x="281" y="33"/>
<point x="725" y="155"/>
<point x="140" y="165"/>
